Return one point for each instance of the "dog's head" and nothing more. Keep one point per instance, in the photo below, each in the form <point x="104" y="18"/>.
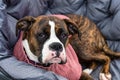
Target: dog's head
<point x="46" y="37"/>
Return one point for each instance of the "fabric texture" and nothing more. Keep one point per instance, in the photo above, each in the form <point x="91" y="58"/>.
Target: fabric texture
<point x="105" y="13"/>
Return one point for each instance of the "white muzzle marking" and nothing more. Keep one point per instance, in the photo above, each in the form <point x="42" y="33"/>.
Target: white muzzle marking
<point x="46" y="52"/>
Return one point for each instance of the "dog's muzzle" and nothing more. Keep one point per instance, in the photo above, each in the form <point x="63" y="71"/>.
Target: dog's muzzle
<point x="55" y="53"/>
<point x="57" y="47"/>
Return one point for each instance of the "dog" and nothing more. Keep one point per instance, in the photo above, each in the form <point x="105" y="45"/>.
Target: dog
<point x="45" y="41"/>
<point x="91" y="47"/>
<point x="46" y="38"/>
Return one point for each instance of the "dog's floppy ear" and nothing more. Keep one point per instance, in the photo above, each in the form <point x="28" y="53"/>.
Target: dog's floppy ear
<point x="72" y="27"/>
<point x="24" y="24"/>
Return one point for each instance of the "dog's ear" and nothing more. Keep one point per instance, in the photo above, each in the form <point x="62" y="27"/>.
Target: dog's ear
<point x="24" y="24"/>
<point x="72" y="27"/>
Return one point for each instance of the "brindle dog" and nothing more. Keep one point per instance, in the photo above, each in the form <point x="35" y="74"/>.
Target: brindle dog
<point x="91" y="47"/>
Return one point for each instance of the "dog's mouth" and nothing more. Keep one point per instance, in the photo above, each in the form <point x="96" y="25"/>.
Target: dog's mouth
<point x="55" y="60"/>
<point x="52" y="60"/>
<point x="52" y="57"/>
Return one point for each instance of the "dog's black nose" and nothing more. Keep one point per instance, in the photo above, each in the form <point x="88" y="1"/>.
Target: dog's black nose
<point x="56" y="47"/>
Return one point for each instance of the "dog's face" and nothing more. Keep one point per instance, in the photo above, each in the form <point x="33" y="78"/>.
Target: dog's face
<point x="45" y="38"/>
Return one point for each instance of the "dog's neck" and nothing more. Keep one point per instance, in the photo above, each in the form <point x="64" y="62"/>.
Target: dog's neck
<point x="29" y="53"/>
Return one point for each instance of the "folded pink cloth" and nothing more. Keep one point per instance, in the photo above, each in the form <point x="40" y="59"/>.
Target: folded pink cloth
<point x="71" y="70"/>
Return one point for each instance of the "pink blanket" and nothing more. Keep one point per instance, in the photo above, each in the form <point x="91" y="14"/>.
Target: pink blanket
<point x="71" y="70"/>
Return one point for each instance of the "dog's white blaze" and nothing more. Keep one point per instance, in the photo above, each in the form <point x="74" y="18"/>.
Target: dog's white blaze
<point x="30" y="55"/>
<point x="53" y="38"/>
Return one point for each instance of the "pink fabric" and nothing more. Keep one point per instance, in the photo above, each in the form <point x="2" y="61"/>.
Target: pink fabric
<point x="71" y="70"/>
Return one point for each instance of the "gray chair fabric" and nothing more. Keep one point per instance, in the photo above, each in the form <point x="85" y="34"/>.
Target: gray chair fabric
<point x="105" y="13"/>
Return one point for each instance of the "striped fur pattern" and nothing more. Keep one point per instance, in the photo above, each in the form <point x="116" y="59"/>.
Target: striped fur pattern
<point x="91" y="47"/>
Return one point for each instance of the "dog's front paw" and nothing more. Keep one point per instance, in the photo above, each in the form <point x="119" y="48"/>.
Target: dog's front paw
<point x="88" y="71"/>
<point x="104" y="76"/>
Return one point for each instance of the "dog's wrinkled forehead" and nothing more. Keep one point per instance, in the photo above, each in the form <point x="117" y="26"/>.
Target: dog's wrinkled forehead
<point x="43" y="23"/>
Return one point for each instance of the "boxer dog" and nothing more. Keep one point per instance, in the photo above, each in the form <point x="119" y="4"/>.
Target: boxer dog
<point x="91" y="47"/>
<point x="46" y="37"/>
<point x="43" y="43"/>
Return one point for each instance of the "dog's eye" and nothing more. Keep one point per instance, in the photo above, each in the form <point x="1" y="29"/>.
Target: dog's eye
<point x="64" y="35"/>
<point x="41" y="35"/>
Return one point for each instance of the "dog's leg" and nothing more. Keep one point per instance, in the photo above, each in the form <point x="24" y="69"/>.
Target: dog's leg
<point x="101" y="58"/>
<point x="91" y="68"/>
<point x="104" y="75"/>
<point x="85" y="76"/>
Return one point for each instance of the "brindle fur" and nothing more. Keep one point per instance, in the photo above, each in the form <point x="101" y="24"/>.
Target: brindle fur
<point x="91" y="47"/>
<point x="89" y="43"/>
